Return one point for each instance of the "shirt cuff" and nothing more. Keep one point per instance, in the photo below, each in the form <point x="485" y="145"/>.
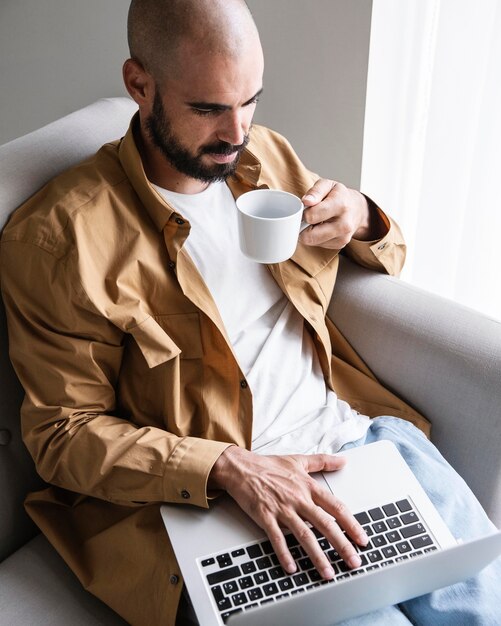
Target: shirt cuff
<point x="188" y="468"/>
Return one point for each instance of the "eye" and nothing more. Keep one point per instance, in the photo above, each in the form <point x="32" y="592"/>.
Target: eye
<point x="205" y="112"/>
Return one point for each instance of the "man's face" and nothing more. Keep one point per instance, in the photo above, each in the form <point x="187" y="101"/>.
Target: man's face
<point x="193" y="164"/>
<point x="200" y="119"/>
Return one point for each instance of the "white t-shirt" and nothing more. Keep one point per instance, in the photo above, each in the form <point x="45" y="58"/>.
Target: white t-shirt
<point x="294" y="410"/>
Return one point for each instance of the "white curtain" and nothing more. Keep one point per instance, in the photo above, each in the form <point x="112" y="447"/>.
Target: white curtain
<point x="432" y="141"/>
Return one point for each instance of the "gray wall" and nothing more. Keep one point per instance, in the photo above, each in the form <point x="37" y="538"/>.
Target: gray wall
<point x="58" y="55"/>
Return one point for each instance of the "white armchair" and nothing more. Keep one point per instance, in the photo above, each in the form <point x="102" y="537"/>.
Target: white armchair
<point x="443" y="359"/>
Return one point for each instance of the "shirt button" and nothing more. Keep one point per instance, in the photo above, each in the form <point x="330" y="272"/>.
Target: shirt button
<point x="174" y="579"/>
<point x="179" y="221"/>
<point x="185" y="494"/>
<point x="243" y="384"/>
<point x="172" y="265"/>
<point x="382" y="246"/>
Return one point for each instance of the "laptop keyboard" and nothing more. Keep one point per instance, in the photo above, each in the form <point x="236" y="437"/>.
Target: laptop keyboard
<point x="250" y="575"/>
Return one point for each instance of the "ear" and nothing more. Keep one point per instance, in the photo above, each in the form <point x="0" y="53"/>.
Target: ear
<point x="138" y="83"/>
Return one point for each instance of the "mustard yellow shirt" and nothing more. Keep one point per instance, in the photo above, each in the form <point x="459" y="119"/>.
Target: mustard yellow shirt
<point x="132" y="387"/>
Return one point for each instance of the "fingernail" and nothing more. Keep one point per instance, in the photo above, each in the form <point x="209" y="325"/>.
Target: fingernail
<point x="354" y="561"/>
<point x="328" y="573"/>
<point x="363" y="539"/>
<point x="308" y="197"/>
<point x="290" y="567"/>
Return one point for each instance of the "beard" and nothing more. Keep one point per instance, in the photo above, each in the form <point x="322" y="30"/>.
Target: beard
<point x="160" y="130"/>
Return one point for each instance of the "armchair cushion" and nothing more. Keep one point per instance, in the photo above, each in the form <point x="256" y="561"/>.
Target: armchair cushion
<point x="442" y="358"/>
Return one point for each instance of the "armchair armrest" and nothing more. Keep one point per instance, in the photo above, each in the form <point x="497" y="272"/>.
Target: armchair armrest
<point x="442" y="358"/>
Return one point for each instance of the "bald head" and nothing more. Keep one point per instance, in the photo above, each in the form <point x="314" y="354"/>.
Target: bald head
<point x="157" y="28"/>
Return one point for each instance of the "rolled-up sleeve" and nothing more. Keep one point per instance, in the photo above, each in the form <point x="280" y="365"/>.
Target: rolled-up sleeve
<point x="383" y="255"/>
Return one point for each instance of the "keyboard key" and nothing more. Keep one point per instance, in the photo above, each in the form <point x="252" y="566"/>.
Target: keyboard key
<point x="305" y="563"/>
<point x="324" y="544"/>
<point x="393" y="522"/>
<point x="261" y="577"/>
<point x="379" y="527"/>
<point x="267" y="601"/>
<point x="224" y="604"/>
<point x="249" y="567"/>
<point x="314" y="575"/>
<point x="368" y="531"/>
<point x="226" y="616"/>
<point x="362" y="518"/>
<point x="246" y="582"/>
<point x="393" y="536"/>
<point x="207" y="562"/>
<point x="254" y="551"/>
<point x="217" y="592"/>
<point x="276" y="572"/>
<point x="296" y="552"/>
<point x="386" y="563"/>
<point x="421" y="542"/>
<point x="263" y="562"/>
<point x="270" y="589"/>
<point x="237" y="553"/>
<point x="230" y="587"/>
<point x="372" y="567"/>
<point x="412" y="531"/>
<point x="224" y="560"/>
<point x="409" y="518"/>
<point x="300" y="579"/>
<point x="340" y="577"/>
<point x="379" y="541"/>
<point x="390" y="509"/>
<point x="376" y="514"/>
<point x="223" y="575"/>
<point x="238" y="599"/>
<point x="430" y="549"/>
<point x="286" y="584"/>
<point x="375" y="556"/>
<point x="389" y="551"/>
<point x="291" y="540"/>
<point x="404" y="506"/>
<point x="266" y="547"/>
<point x="333" y="555"/>
<point x="404" y="547"/>
<point x="255" y="594"/>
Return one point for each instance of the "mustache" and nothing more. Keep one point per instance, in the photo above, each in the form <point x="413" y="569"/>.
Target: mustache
<point x="222" y="147"/>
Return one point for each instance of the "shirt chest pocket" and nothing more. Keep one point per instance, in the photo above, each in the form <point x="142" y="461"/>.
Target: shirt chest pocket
<point x="164" y="337"/>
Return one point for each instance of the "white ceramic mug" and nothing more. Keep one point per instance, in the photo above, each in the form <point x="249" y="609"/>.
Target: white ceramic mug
<point x="269" y="223"/>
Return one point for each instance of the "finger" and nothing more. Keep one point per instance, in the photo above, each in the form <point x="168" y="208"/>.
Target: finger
<point x="310" y="545"/>
<point x="279" y="543"/>
<point x="327" y="526"/>
<point x="320" y="462"/>
<point x="338" y="511"/>
<point x="317" y="193"/>
<point x="329" y="234"/>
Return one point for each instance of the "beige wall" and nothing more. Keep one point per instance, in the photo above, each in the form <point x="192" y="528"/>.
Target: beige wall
<point x="58" y="55"/>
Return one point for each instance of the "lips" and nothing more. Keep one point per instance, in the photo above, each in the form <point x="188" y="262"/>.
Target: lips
<point x="223" y="158"/>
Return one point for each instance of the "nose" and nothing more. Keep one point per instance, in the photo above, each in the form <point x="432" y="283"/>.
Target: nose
<point x="234" y="127"/>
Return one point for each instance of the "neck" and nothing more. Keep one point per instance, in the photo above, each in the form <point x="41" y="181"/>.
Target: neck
<point x="160" y="172"/>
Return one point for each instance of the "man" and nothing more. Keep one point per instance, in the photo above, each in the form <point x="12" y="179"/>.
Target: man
<point x="161" y="366"/>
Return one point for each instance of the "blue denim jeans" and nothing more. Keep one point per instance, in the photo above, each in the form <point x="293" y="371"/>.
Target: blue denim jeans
<point x="475" y="602"/>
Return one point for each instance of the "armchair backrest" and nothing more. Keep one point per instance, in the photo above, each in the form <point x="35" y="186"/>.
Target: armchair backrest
<point x="26" y="164"/>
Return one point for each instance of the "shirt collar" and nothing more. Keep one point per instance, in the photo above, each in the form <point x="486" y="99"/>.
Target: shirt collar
<point x="248" y="172"/>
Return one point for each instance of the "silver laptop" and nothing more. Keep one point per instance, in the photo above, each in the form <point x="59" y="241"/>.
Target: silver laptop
<point x="233" y="576"/>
